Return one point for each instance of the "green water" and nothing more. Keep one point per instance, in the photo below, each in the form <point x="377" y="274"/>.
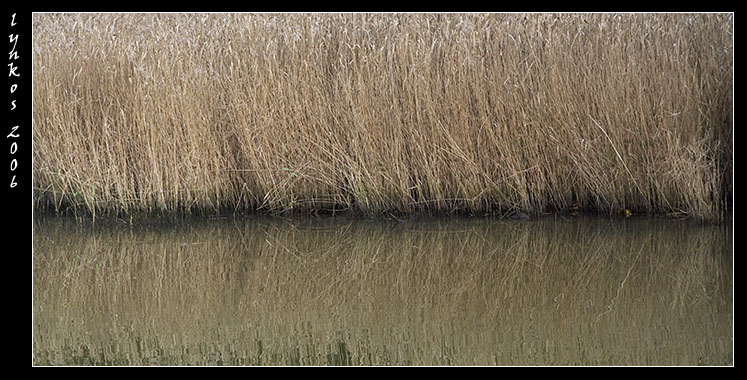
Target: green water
<point x="261" y="291"/>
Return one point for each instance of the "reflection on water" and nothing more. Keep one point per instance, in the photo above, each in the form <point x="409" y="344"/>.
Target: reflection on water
<point x="341" y="292"/>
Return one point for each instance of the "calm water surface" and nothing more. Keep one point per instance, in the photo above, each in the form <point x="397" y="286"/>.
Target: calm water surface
<point x="585" y="291"/>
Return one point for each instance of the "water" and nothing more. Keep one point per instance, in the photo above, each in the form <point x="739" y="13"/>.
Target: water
<point x="583" y="291"/>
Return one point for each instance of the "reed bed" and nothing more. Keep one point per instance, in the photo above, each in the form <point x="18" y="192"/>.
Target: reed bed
<point x="383" y="113"/>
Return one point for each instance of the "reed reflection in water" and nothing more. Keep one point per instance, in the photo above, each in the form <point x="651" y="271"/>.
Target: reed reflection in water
<point x="586" y="291"/>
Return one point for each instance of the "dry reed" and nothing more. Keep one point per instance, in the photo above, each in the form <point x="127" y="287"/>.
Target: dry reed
<point x="384" y="113"/>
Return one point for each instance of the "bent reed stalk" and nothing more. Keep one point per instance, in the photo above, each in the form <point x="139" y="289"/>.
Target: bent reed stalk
<point x="383" y="113"/>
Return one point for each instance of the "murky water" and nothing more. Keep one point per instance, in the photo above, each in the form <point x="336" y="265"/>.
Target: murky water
<point x="586" y="291"/>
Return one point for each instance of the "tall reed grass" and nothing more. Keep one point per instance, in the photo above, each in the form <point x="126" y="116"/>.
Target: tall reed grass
<point x="384" y="113"/>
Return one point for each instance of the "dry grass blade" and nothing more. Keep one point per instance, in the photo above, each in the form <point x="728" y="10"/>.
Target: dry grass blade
<point x="382" y="113"/>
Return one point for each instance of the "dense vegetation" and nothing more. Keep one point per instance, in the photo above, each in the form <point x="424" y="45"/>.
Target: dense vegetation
<point x="384" y="113"/>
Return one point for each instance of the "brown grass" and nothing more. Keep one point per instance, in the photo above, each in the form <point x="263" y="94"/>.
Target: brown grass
<point x="384" y="113"/>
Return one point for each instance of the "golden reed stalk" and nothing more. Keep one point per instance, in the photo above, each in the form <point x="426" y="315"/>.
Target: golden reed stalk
<point x="380" y="113"/>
